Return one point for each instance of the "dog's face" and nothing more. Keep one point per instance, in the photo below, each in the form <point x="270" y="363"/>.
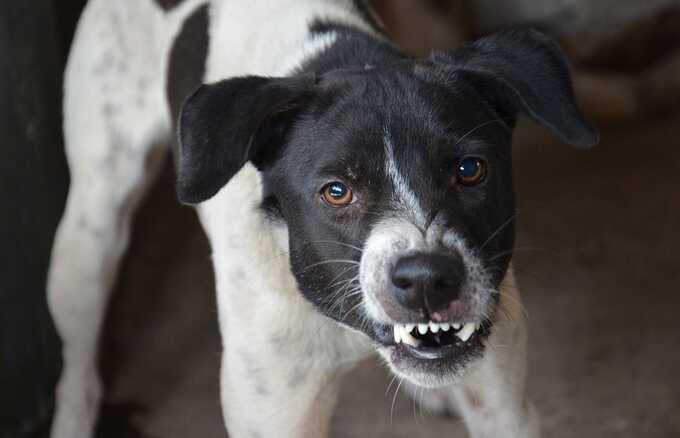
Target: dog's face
<point x="394" y="184"/>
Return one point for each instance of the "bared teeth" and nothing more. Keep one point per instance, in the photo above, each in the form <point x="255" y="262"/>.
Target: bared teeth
<point x="402" y="335"/>
<point x="467" y="331"/>
<point x="397" y="334"/>
<point x="405" y="333"/>
<point x="407" y="338"/>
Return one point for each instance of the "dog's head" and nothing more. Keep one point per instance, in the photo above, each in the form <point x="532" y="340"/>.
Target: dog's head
<point x="394" y="183"/>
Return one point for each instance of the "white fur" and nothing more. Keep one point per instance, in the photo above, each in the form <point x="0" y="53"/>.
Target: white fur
<point x="398" y="236"/>
<point x="405" y="197"/>
<point x="278" y="381"/>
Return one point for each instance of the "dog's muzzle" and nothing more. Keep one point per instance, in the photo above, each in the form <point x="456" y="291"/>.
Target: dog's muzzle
<point x="429" y="298"/>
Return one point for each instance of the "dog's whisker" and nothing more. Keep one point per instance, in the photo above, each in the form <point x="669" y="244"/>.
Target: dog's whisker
<point x="326" y="262"/>
<point x="394" y="377"/>
<point x="512" y="251"/>
<point x="498" y="230"/>
<point x="333" y="242"/>
<point x="340" y="301"/>
<point x="482" y="125"/>
<point x="394" y="399"/>
<point x="516" y="300"/>
<point x="351" y="310"/>
<point x="336" y="280"/>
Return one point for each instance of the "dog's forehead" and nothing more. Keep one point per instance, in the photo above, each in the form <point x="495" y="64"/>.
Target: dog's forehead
<point x="388" y="135"/>
<point x="386" y="113"/>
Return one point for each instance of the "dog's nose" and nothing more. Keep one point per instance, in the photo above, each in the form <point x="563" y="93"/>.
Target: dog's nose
<point x="428" y="281"/>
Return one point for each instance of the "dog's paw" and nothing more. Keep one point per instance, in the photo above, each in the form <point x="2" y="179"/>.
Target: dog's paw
<point x="433" y="400"/>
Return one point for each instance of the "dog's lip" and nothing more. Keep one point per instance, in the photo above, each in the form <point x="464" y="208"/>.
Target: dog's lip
<point x="427" y="353"/>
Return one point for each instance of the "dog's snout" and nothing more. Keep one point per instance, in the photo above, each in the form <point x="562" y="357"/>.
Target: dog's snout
<point x="428" y="281"/>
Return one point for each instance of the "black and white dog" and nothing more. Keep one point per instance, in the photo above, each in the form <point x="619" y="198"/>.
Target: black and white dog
<point x="356" y="200"/>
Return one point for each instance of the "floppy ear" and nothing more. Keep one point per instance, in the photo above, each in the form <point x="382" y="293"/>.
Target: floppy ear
<point x="524" y="70"/>
<point x="224" y="125"/>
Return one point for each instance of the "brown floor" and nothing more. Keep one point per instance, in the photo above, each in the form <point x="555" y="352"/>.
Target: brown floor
<point x="597" y="262"/>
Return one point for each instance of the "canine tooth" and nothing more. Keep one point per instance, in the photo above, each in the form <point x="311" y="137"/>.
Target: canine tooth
<point x="407" y="338"/>
<point x="456" y="326"/>
<point x="467" y="331"/>
<point x="397" y="334"/>
<point x="409" y="327"/>
<point x="422" y="328"/>
<point x="434" y="328"/>
<point x="445" y="327"/>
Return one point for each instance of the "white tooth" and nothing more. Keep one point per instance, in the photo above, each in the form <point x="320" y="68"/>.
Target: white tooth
<point x="422" y="328"/>
<point x="409" y="327"/>
<point x="456" y="326"/>
<point x="446" y="327"/>
<point x="397" y="334"/>
<point x="466" y="331"/>
<point x="434" y="328"/>
<point x="410" y="340"/>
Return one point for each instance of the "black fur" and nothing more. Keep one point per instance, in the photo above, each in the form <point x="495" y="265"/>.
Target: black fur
<point x="186" y="67"/>
<point x="524" y="71"/>
<point x="328" y="122"/>
<point x="225" y="125"/>
<point x="167" y="5"/>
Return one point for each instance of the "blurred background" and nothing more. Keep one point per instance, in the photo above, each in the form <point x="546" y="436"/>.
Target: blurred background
<point x="597" y="255"/>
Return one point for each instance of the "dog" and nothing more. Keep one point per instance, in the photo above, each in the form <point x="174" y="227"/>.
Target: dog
<point x="356" y="200"/>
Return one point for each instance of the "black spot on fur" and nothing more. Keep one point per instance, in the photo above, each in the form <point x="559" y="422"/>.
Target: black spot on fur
<point x="167" y="5"/>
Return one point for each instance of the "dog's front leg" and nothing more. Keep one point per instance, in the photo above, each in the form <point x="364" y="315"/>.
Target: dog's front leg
<point x="281" y="357"/>
<point x="279" y="371"/>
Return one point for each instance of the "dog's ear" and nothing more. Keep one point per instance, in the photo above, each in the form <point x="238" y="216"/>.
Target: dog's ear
<point x="224" y="125"/>
<point x="523" y="70"/>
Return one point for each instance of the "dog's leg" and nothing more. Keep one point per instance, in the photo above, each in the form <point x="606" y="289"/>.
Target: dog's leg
<point x="281" y="358"/>
<point x="281" y="382"/>
<point x="491" y="397"/>
<point x="115" y="119"/>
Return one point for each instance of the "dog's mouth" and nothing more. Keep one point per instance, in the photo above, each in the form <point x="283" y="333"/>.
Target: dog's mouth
<point x="433" y="353"/>
<point x="437" y="340"/>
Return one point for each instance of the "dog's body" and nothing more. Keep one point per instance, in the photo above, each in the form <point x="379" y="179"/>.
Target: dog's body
<point x="132" y="65"/>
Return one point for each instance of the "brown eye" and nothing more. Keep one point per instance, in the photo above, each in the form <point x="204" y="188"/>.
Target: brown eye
<point x="337" y="194"/>
<point x="470" y="171"/>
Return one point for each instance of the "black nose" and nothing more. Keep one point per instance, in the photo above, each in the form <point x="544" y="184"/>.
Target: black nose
<point x="428" y="281"/>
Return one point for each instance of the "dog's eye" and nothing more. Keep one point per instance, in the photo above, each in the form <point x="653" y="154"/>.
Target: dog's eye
<point x="471" y="171"/>
<point x="337" y="194"/>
